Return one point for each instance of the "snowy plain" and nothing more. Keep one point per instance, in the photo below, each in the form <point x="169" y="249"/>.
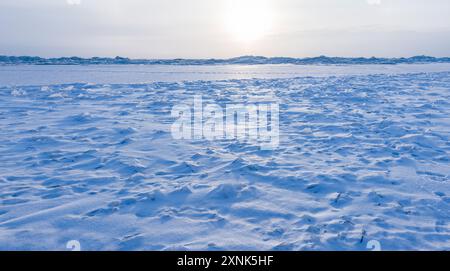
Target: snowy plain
<point x="87" y="155"/>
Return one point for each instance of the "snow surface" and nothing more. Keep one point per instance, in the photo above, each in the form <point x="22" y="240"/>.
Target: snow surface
<point x="20" y="75"/>
<point x="363" y="156"/>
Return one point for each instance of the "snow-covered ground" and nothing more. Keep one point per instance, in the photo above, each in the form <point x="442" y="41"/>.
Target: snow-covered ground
<point x="13" y="75"/>
<point x="87" y="155"/>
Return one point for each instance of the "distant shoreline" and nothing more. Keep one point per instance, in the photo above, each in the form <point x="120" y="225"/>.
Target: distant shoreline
<point x="247" y="60"/>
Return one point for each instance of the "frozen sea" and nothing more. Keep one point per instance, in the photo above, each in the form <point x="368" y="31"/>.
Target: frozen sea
<point x="87" y="155"/>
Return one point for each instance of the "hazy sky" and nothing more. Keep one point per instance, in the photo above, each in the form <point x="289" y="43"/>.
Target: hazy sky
<point x="224" y="28"/>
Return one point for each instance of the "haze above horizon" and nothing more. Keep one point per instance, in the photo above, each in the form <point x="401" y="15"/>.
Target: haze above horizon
<point x="202" y="29"/>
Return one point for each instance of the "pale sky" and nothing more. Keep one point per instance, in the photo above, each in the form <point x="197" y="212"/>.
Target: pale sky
<point x="224" y="28"/>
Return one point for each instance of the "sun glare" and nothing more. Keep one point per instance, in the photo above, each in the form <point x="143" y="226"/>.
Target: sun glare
<point x="248" y="20"/>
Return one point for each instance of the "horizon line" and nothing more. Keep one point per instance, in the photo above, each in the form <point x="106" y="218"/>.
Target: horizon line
<point x="245" y="59"/>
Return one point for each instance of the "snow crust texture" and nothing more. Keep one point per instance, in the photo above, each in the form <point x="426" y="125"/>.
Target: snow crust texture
<point x="360" y="158"/>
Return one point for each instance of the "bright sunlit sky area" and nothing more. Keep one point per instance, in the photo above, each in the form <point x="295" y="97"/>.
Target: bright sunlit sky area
<point x="224" y="28"/>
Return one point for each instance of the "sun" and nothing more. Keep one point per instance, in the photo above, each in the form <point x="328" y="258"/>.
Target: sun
<point x="248" y="20"/>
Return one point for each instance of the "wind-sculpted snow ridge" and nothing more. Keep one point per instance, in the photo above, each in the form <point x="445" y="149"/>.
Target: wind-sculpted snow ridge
<point x="247" y="60"/>
<point x="361" y="158"/>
